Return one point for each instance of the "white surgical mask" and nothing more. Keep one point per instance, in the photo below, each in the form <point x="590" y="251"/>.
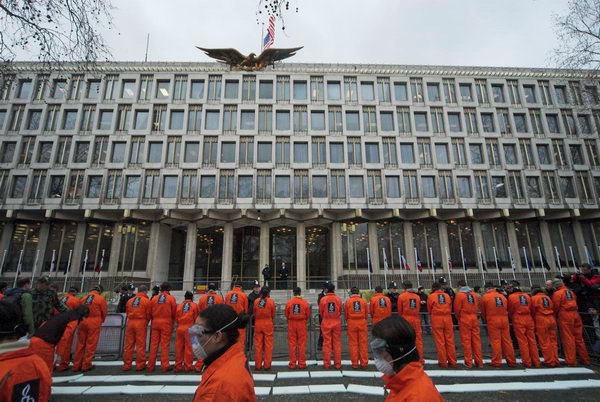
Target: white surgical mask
<point x="383" y="365"/>
<point x="195" y="332"/>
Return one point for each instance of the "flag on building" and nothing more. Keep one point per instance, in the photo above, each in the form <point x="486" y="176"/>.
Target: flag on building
<point x="449" y="264"/>
<point x="270" y="37"/>
<point x="405" y="263"/>
<point x="385" y="263"/>
<point x="419" y="265"/>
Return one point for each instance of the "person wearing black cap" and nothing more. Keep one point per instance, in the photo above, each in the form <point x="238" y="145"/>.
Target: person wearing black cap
<point x="393" y="296"/>
<point x="155" y="291"/>
<point x="266" y="272"/>
<point x="126" y="295"/>
<point x="424" y="313"/>
<point x="446" y="287"/>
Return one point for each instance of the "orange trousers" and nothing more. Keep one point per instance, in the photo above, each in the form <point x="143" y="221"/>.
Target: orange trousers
<point x="135" y="337"/>
<point x="44" y="350"/>
<point x="297" y="343"/>
<point x="545" y="327"/>
<point x="65" y="345"/>
<point x="443" y="336"/>
<point x="242" y="338"/>
<point x="160" y="336"/>
<point x="499" y="334"/>
<point x="525" y="333"/>
<point x="263" y="346"/>
<point x="87" y="341"/>
<point x="415" y="321"/>
<point x="358" y="343"/>
<point x="571" y="333"/>
<point x="332" y="334"/>
<point x="470" y="339"/>
<point x="184" y="355"/>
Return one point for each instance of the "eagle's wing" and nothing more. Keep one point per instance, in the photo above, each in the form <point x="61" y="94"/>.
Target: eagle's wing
<point x="229" y="56"/>
<point x="272" y="55"/>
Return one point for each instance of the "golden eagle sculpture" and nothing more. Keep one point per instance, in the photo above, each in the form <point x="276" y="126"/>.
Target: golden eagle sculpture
<point x="238" y="61"/>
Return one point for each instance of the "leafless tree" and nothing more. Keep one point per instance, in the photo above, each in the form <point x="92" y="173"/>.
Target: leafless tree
<point x="578" y="33"/>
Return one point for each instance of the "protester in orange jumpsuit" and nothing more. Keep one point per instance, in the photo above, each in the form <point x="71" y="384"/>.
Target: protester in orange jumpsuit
<point x="380" y="306"/>
<point x="439" y="306"/>
<point x="162" y="313"/>
<point x="356" y="314"/>
<point x="409" y="306"/>
<point x="545" y="326"/>
<point x="264" y="314"/>
<point x="186" y="315"/>
<point x="495" y="311"/>
<point x="466" y="308"/>
<point x="210" y="298"/>
<point x="396" y="356"/>
<point x="88" y="332"/>
<point x="330" y="309"/>
<point x="66" y="342"/>
<point x="23" y="375"/>
<point x="569" y="323"/>
<point x="237" y="299"/>
<point x="138" y="315"/>
<point x="520" y="311"/>
<point x="215" y="339"/>
<point x="297" y="313"/>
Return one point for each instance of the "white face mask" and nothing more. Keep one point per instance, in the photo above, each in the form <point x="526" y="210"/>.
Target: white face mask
<point x="195" y="332"/>
<point x="383" y="365"/>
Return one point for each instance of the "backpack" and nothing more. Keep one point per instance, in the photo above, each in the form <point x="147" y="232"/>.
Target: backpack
<point x="13" y="296"/>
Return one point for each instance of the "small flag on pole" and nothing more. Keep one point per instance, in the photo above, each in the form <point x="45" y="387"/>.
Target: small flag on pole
<point x="270" y="37"/>
<point x="53" y="262"/>
<point x="405" y="263"/>
<point x="419" y="265"/>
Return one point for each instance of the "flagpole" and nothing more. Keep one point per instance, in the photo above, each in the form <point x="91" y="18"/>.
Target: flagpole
<point x="262" y="36"/>
<point x="68" y="269"/>
<point x="587" y="254"/>
<point x="496" y="261"/>
<point x="481" y="262"/>
<point x="85" y="261"/>
<point x="542" y="260"/>
<point x="462" y="256"/>
<point x="3" y="258"/>
<point x="558" y="260"/>
<point x="417" y="268"/>
<point x="402" y="267"/>
<point x="18" y="268"/>
<point x="573" y="259"/>
<point x="52" y="263"/>
<point x="385" y="266"/>
<point x="527" y="264"/>
<point x="432" y="264"/>
<point x="101" y="264"/>
<point x="369" y="266"/>
<point x="449" y="263"/>
<point x="512" y="263"/>
<point x="37" y="256"/>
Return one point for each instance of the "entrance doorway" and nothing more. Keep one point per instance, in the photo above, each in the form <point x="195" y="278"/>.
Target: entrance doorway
<point x="282" y="256"/>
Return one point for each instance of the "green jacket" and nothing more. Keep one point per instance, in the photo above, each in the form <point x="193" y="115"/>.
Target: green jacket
<point x="38" y="307"/>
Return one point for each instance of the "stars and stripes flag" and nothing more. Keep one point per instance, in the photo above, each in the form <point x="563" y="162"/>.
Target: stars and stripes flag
<point x="270" y="37"/>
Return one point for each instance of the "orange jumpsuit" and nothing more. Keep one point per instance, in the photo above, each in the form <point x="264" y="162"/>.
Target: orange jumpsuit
<point x="44" y="350"/>
<point x="162" y="313"/>
<point x="227" y="378"/>
<point x="380" y="307"/>
<point x="545" y="327"/>
<point x="411" y="384"/>
<point x="439" y="306"/>
<point x="356" y="313"/>
<point x="330" y="309"/>
<point x="239" y="301"/>
<point x="209" y="299"/>
<point x="297" y="313"/>
<point x="89" y="331"/>
<point x="138" y="315"/>
<point x="570" y="325"/>
<point x="519" y="310"/>
<point x="264" y="314"/>
<point x="28" y="370"/>
<point x="409" y="307"/>
<point x="495" y="312"/>
<point x="186" y="315"/>
<point x="466" y="307"/>
<point x="65" y="345"/>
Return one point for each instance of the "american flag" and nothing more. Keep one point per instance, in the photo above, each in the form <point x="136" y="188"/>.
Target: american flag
<point x="270" y="38"/>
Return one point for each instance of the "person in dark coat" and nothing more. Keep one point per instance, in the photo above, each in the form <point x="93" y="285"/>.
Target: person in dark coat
<point x="266" y="272"/>
<point x="393" y="295"/>
<point x="283" y="276"/>
<point x="424" y="313"/>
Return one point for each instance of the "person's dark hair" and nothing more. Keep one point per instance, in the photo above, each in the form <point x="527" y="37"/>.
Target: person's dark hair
<point x="297" y="291"/>
<point x="156" y="289"/>
<point x="219" y="315"/>
<point x="3" y="286"/>
<point x="462" y="283"/>
<point x="23" y="282"/>
<point x="124" y="287"/>
<point x="354" y="290"/>
<point x="236" y="285"/>
<point x="407" y="285"/>
<point x="535" y="289"/>
<point x="189" y="295"/>
<point x="476" y="289"/>
<point x="11" y="324"/>
<point x="264" y="292"/>
<point x="515" y="283"/>
<point x="435" y="286"/>
<point x="74" y="289"/>
<point x="99" y="288"/>
<point x="489" y="285"/>
<point x="212" y="286"/>
<point x="378" y="289"/>
<point x="165" y="287"/>
<point x="400" y="337"/>
<point x="330" y="287"/>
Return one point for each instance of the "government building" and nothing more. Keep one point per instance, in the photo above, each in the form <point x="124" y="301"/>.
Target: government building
<point x="195" y="172"/>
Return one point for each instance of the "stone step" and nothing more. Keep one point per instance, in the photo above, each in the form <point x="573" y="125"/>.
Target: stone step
<point x="280" y="297"/>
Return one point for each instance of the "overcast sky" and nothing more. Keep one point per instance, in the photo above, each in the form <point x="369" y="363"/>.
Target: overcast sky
<point x="516" y="33"/>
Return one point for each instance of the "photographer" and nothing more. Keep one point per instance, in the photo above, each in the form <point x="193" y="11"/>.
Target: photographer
<point x="586" y="285"/>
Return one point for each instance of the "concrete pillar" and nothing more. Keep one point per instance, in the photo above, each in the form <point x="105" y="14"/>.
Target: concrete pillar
<point x="5" y="244"/>
<point x="547" y="249"/>
<point x="336" y="250"/>
<point x="78" y="251"/>
<point x="374" y="247"/>
<point x="227" y="268"/>
<point x="479" y="245"/>
<point x="444" y="245"/>
<point x="160" y="252"/>
<point x="579" y="251"/>
<point x="409" y="245"/>
<point x="190" y="257"/>
<point x="264" y="249"/>
<point x="300" y="255"/>
<point x="41" y="249"/>
<point x="513" y="244"/>
<point x="115" y="250"/>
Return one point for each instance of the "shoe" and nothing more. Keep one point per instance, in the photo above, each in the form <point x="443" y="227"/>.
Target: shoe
<point x="257" y="368"/>
<point x="454" y="365"/>
<point x="162" y="370"/>
<point x="140" y="368"/>
<point x="92" y="367"/>
<point x="512" y="365"/>
<point x="301" y="367"/>
<point x="125" y="368"/>
<point x="493" y="365"/>
<point x="150" y="370"/>
<point x="76" y="369"/>
<point x="443" y="365"/>
<point x="354" y="367"/>
<point x="292" y="367"/>
<point x="267" y="368"/>
<point x="338" y="367"/>
<point x="468" y="366"/>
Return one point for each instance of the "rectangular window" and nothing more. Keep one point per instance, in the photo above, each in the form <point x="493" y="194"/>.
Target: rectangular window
<point x="38" y="182"/>
<point x="533" y="187"/>
<point x="553" y="126"/>
<point x="372" y="152"/>
<point x="569" y="120"/>
<point x="464" y="186"/>
<point x="338" y="185"/>
<point x="17" y="118"/>
<point x="561" y="94"/>
<point x="449" y="90"/>
<point x="169" y="186"/>
<point x="466" y="93"/>
<point x="560" y="157"/>
<point x="513" y="91"/>
<point x="197" y="89"/>
<point x="228" y="152"/>
<point x="63" y="151"/>
<point x="265" y="119"/>
<point x="317" y="120"/>
<point x="283" y="89"/>
<point x="33" y="121"/>
<point x="207" y="187"/>
<point x="192" y="152"/>
<point x="265" y="153"/>
<point x="25" y="157"/>
<point x="123" y="117"/>
<point x="482" y="92"/>
<point x="18" y="187"/>
<point x="424" y="151"/>
<point x="118" y="152"/>
<point x="584" y="123"/>
<point x="374" y="187"/>
<point x="336" y="152"/>
<point x="459" y="152"/>
<point x="128" y="89"/>
<point x="155" y="152"/>
<point x="232" y="88"/>
<point x="179" y="92"/>
<point x="335" y="119"/>
<point x="52" y="117"/>
<point x="214" y="87"/>
<point x="81" y="152"/>
<point x="110" y="86"/>
<point x="476" y="153"/>
<point x="498" y="93"/>
<point x="195" y="118"/>
<point x="437" y="120"/>
<point x="369" y="119"/>
<point x="567" y="187"/>
<point x="132" y="187"/>
<point x="318" y="152"/>
<point x="189" y="185"/>
<point x="301" y="185"/>
<point x="403" y="120"/>
<point x="282" y="120"/>
<point x="544" y="154"/>
<point x="59" y="89"/>
<point x="300" y="119"/>
<point x="390" y="157"/>
<point x="392" y="185"/>
<point x="433" y="92"/>
<point x="526" y="153"/>
<point x="592" y="153"/>
<point x="300" y="152"/>
<point x="176" y="120"/>
<point x="545" y="92"/>
<point x="352" y="121"/>
<point x="350" y="90"/>
<point x="383" y="90"/>
<point x="499" y="187"/>
<point x="316" y="89"/>
<point x="300" y="90"/>
<point x="248" y="88"/>
<point x="535" y="116"/>
<point x="265" y="89"/>
<point x="24" y="89"/>
<point x="428" y="186"/>
<point x="510" y="154"/>
<point x="529" y="91"/>
<point x="367" y="91"/>
<point x="159" y="117"/>
<point x="550" y="186"/>
<point x="471" y="121"/>
<point x="421" y="122"/>
<point x="136" y="152"/>
<point x="354" y="151"/>
<point x="226" y="186"/>
<point x="209" y="152"/>
<point x="141" y="120"/>
<point x="357" y="187"/>
<point x="282" y="186"/>
<point x="504" y="122"/>
<point x="416" y="88"/>
<point x="441" y="154"/>
<point x="400" y="91"/>
<point x="410" y="184"/>
<point x="454" y="122"/>
<point x="576" y="155"/>
<point x="113" y="185"/>
<point x="482" y="189"/>
<point x="105" y="120"/>
<point x="516" y="186"/>
<point x="212" y="120"/>
<point x="407" y="153"/>
<point x="445" y="185"/>
<point x="100" y="151"/>
<point x="575" y="88"/>
<point x="151" y="184"/>
<point x="520" y="123"/>
<point x="334" y="90"/>
<point x="245" y="186"/>
<point x="319" y="185"/>
<point x="44" y="152"/>
<point x="145" y="87"/>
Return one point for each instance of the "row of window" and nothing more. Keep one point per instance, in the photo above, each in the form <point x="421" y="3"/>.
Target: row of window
<point x="436" y="120"/>
<point x="283" y="152"/>
<point x="263" y="186"/>
<point x="285" y="89"/>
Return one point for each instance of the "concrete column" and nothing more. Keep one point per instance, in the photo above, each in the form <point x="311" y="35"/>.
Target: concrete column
<point x="336" y="250"/>
<point x="227" y="268"/>
<point x="264" y="249"/>
<point x="479" y="245"/>
<point x="160" y="253"/>
<point x="190" y="257"/>
<point x="374" y="247"/>
<point x="579" y="252"/>
<point x="444" y="245"/>
<point x="547" y="245"/>
<point x="78" y="251"/>
<point x="300" y="254"/>
<point x="514" y="244"/>
<point x="41" y="249"/>
<point x="115" y="250"/>
<point x="409" y="245"/>
<point x="5" y="244"/>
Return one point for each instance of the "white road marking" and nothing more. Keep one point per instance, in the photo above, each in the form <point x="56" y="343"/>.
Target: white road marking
<point x="293" y="374"/>
<point x="365" y="389"/>
<point x="264" y="377"/>
<point x="293" y="390"/>
<point x="326" y="374"/>
<point x="327" y="388"/>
